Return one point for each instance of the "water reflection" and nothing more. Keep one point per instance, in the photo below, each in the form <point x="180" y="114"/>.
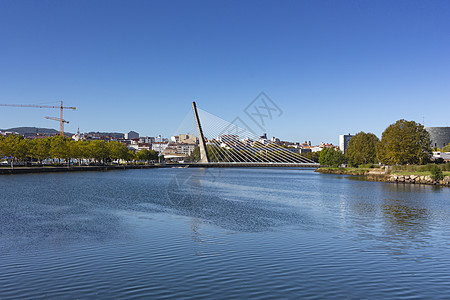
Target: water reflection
<point x="200" y="233"/>
<point x="191" y="194"/>
<point x="393" y="217"/>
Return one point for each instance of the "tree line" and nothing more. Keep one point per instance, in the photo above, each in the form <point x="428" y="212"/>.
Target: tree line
<point x="17" y="148"/>
<point x="402" y="143"/>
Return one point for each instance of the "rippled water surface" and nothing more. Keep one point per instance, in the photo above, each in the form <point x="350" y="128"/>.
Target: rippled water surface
<point x="221" y="233"/>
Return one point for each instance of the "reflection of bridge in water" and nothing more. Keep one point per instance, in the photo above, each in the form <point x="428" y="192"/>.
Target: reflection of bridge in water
<point x="225" y="144"/>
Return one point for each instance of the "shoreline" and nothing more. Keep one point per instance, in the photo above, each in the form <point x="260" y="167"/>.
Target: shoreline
<point x="380" y="175"/>
<point x="50" y="169"/>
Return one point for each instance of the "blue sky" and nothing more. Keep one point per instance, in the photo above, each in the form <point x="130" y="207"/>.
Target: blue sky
<point x="332" y="67"/>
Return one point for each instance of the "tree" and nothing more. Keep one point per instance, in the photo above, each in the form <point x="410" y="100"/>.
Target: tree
<point x="194" y="156"/>
<point x="147" y="155"/>
<point x="76" y="151"/>
<point x="362" y="149"/>
<point x="446" y="148"/>
<point x="436" y="173"/>
<point x="16" y="147"/>
<point x="117" y="150"/>
<point x="314" y="156"/>
<point x="39" y="149"/>
<point x="130" y="156"/>
<point x="98" y="150"/>
<point x="59" y="147"/>
<point x="2" y="138"/>
<point x="404" y="142"/>
<point x="331" y="157"/>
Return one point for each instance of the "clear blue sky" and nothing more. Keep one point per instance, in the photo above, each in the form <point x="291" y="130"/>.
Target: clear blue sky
<point x="333" y="67"/>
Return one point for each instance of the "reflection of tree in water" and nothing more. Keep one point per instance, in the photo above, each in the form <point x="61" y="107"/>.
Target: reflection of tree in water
<point x="406" y="226"/>
<point x="192" y="195"/>
<point x="405" y="222"/>
<point x="391" y="217"/>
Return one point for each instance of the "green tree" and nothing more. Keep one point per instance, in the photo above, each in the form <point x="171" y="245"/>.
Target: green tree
<point x="314" y="156"/>
<point x="436" y="173"/>
<point x="76" y="151"/>
<point x="2" y="138"/>
<point x="194" y="156"/>
<point x="39" y="149"/>
<point x="131" y="156"/>
<point x="98" y="150"/>
<point x="446" y="148"/>
<point x="16" y="147"/>
<point x="147" y="155"/>
<point x="117" y="150"/>
<point x="404" y="142"/>
<point x="59" y="148"/>
<point x="331" y="157"/>
<point x="247" y="155"/>
<point x="362" y="149"/>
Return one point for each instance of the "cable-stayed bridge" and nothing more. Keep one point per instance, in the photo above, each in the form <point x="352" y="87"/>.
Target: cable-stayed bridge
<point x="227" y="144"/>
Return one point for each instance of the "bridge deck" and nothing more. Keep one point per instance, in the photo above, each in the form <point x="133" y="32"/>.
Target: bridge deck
<point x="250" y="165"/>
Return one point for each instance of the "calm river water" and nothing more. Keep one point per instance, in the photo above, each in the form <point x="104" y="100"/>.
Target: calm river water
<point x="221" y="233"/>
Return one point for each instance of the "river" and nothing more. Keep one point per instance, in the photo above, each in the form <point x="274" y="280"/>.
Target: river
<point x="219" y="234"/>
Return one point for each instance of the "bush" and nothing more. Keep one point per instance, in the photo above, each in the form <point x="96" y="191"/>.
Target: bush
<point x="366" y="166"/>
<point x="436" y="173"/>
<point x="446" y="167"/>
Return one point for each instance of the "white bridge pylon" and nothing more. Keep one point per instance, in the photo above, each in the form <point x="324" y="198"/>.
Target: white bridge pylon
<point x="229" y="143"/>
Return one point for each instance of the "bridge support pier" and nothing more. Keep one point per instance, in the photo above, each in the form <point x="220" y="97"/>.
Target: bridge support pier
<point x="204" y="157"/>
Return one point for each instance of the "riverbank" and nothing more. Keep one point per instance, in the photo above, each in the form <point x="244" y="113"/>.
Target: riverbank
<point x="24" y="170"/>
<point x="383" y="175"/>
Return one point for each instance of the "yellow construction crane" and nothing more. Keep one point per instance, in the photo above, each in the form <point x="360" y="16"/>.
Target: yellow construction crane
<point x="60" y="119"/>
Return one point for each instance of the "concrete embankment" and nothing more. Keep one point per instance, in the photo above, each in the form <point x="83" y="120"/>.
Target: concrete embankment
<point x="418" y="179"/>
<point x="381" y="176"/>
<point x="23" y="170"/>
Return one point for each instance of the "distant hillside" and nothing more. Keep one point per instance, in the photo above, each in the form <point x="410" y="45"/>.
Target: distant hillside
<point x="27" y="131"/>
<point x="116" y="135"/>
<point x="34" y="130"/>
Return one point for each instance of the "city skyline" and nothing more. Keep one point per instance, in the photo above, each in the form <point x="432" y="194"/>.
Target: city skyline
<point x="331" y="67"/>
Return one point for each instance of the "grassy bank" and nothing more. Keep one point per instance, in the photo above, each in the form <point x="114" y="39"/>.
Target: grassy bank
<point x="343" y="171"/>
<point x="420" y="170"/>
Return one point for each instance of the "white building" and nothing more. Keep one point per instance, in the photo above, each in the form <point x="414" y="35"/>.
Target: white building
<point x="175" y="139"/>
<point x="344" y="139"/>
<point x="263" y="139"/>
<point x="146" y="139"/>
<point x="159" y="146"/>
<point x="186" y="149"/>
<point x="187" y="139"/>
<point x="228" y="138"/>
<point x="444" y="155"/>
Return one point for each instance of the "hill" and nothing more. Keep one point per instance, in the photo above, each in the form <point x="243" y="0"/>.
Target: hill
<point x="33" y="130"/>
<point x="116" y="135"/>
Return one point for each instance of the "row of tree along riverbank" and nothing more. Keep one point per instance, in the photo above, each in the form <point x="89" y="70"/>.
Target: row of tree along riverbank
<point x="16" y="149"/>
<point x="53" y="169"/>
<point x="402" y="143"/>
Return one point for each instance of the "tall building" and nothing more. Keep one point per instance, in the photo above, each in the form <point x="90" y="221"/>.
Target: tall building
<point x="440" y="136"/>
<point x="131" y="135"/>
<point x="187" y="139"/>
<point x="344" y="139"/>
